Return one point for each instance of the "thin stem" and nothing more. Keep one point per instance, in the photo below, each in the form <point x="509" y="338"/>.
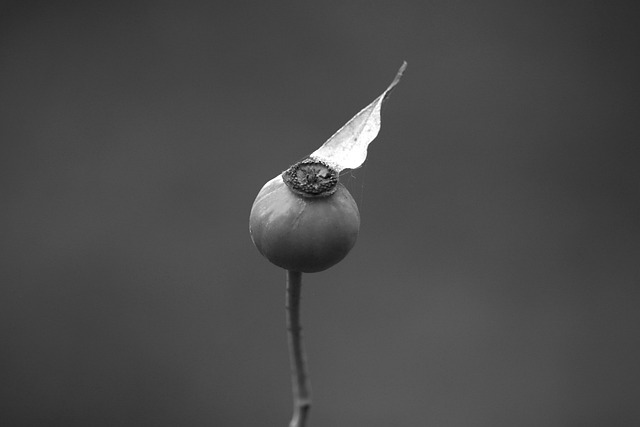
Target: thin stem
<point x="299" y="379"/>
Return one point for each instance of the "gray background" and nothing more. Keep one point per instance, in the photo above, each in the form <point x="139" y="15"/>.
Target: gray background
<point x="496" y="278"/>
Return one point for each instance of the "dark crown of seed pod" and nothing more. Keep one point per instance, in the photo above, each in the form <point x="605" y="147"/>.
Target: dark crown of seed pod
<point x="311" y="178"/>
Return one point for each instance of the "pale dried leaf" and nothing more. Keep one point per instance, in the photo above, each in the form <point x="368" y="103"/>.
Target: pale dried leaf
<point x="347" y="148"/>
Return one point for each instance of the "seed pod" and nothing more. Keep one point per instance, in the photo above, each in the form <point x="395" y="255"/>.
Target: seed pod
<point x="304" y="220"/>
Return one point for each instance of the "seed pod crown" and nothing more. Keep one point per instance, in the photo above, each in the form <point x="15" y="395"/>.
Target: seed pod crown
<point x="311" y="178"/>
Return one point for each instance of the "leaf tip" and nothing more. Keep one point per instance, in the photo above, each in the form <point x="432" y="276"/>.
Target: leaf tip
<point x="398" y="76"/>
<point x="402" y="68"/>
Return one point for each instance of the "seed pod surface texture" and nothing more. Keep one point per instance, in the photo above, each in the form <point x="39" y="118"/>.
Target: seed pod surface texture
<point x="304" y="232"/>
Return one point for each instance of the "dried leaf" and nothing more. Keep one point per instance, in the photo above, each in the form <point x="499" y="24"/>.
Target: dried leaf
<point x="347" y="148"/>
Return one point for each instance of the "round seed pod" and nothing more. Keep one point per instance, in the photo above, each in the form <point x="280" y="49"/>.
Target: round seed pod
<point x="304" y="220"/>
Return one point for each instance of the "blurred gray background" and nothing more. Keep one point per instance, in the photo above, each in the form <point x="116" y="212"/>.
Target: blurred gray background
<point x="496" y="278"/>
